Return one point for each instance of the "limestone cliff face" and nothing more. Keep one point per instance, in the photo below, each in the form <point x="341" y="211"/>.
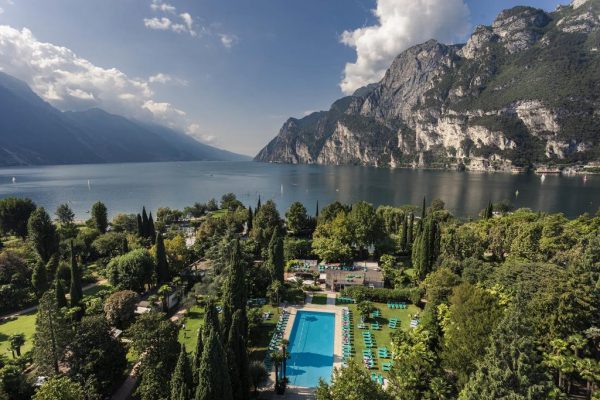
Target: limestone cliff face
<point x="521" y="92"/>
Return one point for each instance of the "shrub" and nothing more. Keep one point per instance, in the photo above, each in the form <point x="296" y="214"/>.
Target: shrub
<point x="297" y="249"/>
<point x="379" y="295"/>
<point x="120" y="306"/>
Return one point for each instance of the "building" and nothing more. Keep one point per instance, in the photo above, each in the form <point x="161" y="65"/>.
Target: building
<point x="339" y="279"/>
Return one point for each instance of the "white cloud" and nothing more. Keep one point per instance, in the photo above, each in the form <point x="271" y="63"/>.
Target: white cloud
<point x="161" y="24"/>
<point x="158" y="5"/>
<point x="70" y="82"/>
<point x="401" y="24"/>
<point x="182" y="23"/>
<point x="196" y="131"/>
<point x="228" y="40"/>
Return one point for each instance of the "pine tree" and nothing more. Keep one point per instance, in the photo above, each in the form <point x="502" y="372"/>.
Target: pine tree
<point x="237" y="358"/>
<point x="61" y="300"/>
<point x="100" y="216"/>
<point x="42" y="234"/>
<point x="198" y="356"/>
<point x="511" y="367"/>
<point x="181" y="380"/>
<point x="234" y="293"/>
<point x="39" y="279"/>
<point x="140" y="226"/>
<point x="76" y="291"/>
<point x="214" y="382"/>
<point x="276" y="258"/>
<point x="160" y="260"/>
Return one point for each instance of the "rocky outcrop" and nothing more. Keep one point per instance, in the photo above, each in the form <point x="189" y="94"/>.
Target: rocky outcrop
<point x="520" y="92"/>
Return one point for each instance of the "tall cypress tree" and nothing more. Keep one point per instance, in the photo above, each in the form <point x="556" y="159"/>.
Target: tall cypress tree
<point x="423" y="209"/>
<point x="410" y="233"/>
<point x="162" y="265"/>
<point x="39" y="278"/>
<point x="140" y="226"/>
<point x="214" y="382"/>
<point x="489" y="211"/>
<point x="198" y="356"/>
<point x="249" y="221"/>
<point x="234" y="293"/>
<point x="258" y="204"/>
<point x="181" y="380"/>
<point x="237" y="358"/>
<point x="151" y="229"/>
<point x="76" y="291"/>
<point x="317" y="210"/>
<point x="404" y="239"/>
<point x="426" y="248"/>
<point x="145" y="228"/>
<point x="211" y="321"/>
<point x="59" y="292"/>
<point x="276" y="258"/>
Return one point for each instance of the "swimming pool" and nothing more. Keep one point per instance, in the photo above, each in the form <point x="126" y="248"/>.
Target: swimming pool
<point x="311" y="348"/>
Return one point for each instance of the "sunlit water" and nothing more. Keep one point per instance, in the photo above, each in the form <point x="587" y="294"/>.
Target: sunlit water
<point x="126" y="187"/>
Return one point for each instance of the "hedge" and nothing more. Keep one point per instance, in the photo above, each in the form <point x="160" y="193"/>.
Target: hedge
<point x="361" y="293"/>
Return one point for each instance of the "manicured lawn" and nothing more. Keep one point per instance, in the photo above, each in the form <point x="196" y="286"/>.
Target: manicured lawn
<point x="319" y="299"/>
<point x="189" y="335"/>
<point x="381" y="337"/>
<point x="94" y="290"/>
<point x="23" y="324"/>
<point x="261" y="343"/>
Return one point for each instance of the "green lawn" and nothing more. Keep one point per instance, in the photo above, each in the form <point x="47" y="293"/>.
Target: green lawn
<point x="189" y="335"/>
<point x="381" y="337"/>
<point x="261" y="343"/>
<point x="319" y="299"/>
<point x="94" y="290"/>
<point x="23" y="324"/>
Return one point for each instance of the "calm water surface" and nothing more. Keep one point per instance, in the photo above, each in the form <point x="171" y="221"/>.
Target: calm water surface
<point x="126" y="187"/>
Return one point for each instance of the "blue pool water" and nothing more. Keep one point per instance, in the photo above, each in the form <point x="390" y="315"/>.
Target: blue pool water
<point x="311" y="348"/>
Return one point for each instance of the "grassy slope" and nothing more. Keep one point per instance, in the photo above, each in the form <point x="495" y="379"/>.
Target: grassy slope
<point x="382" y="337"/>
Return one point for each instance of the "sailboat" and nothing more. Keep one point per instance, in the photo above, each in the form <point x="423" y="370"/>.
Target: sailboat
<point x="543" y="177"/>
<point x="282" y="189"/>
<point x="584" y="178"/>
<point x="89" y="185"/>
<point x="14" y="180"/>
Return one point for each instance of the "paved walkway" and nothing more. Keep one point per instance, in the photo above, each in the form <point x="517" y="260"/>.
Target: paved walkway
<point x="127" y="387"/>
<point x="33" y="308"/>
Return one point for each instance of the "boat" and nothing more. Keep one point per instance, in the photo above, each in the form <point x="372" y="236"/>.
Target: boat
<point x="584" y="178"/>
<point x="14" y="179"/>
<point x="543" y="178"/>
<point x="89" y="185"/>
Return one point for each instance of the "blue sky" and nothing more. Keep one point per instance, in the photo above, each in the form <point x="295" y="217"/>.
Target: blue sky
<point x="228" y="72"/>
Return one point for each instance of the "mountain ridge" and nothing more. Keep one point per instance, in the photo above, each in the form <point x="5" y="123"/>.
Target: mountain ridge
<point x="520" y="93"/>
<point x="32" y="132"/>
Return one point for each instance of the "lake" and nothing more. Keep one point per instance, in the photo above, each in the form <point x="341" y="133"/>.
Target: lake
<point x="127" y="187"/>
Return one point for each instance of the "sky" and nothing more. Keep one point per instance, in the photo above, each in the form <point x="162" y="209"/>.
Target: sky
<point x="228" y="72"/>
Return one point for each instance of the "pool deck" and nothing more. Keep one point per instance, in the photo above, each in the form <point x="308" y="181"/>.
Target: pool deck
<point x="302" y="392"/>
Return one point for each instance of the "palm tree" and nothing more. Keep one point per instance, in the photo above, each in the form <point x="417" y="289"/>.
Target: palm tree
<point x="284" y="353"/>
<point x="164" y="291"/>
<point x="16" y="342"/>
<point x="277" y="358"/>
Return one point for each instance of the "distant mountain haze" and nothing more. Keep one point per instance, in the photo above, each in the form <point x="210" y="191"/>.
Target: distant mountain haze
<point x="521" y="93"/>
<point x="32" y="132"/>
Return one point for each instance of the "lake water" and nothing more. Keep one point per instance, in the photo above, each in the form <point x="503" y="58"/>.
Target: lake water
<point x="127" y="187"/>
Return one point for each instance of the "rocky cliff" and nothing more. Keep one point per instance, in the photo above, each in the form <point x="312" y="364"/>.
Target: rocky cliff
<point x="522" y="92"/>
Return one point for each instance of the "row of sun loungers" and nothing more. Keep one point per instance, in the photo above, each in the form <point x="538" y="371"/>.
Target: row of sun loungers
<point x="277" y="337"/>
<point x="399" y="306"/>
<point x="346" y="335"/>
<point x="345" y="300"/>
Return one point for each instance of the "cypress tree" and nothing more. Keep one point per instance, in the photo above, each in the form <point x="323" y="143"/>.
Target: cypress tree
<point x="39" y="279"/>
<point x="197" y="356"/>
<point x="404" y="240"/>
<point x="140" y="226"/>
<point x="317" y="210"/>
<point x="276" y="256"/>
<point x="489" y="211"/>
<point x="162" y="266"/>
<point x="151" y="230"/>
<point x="76" y="291"/>
<point x="258" y="204"/>
<point x="181" y="380"/>
<point x="423" y="209"/>
<point x="234" y="293"/>
<point x="61" y="300"/>
<point x="214" y="382"/>
<point x="145" y="227"/>
<point x="211" y="321"/>
<point x="237" y="358"/>
<point x="250" y="220"/>
<point x="409" y="235"/>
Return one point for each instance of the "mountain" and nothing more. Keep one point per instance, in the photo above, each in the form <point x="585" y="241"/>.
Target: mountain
<point x="32" y="132"/>
<point x="520" y="93"/>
